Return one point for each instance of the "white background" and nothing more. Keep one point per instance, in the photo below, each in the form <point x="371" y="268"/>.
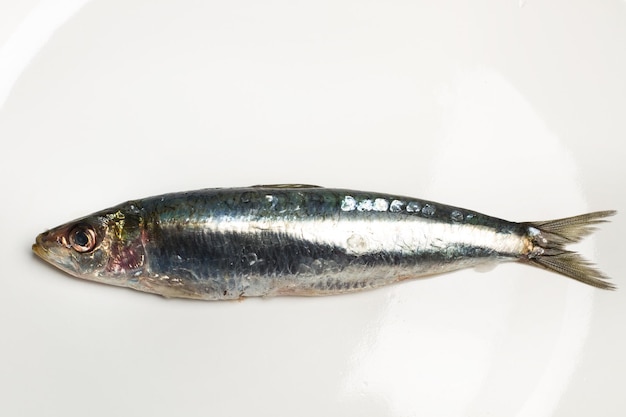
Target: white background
<point x="515" y="109"/>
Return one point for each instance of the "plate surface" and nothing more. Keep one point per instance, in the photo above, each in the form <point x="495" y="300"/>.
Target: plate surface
<point x="511" y="109"/>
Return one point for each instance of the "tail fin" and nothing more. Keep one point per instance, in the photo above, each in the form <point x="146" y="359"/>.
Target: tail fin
<point x="548" y="251"/>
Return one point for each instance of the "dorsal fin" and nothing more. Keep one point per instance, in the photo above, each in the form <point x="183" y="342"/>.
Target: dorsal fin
<point x="286" y="186"/>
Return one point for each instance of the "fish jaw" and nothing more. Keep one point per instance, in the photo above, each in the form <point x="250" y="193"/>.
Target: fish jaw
<point x="52" y="247"/>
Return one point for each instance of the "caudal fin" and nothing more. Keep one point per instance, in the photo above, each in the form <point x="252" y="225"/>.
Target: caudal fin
<point x="549" y="239"/>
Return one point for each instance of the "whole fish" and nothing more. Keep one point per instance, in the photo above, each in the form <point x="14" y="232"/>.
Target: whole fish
<point x="291" y="239"/>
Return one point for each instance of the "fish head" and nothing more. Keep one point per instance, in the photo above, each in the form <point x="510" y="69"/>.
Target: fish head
<point x="105" y="247"/>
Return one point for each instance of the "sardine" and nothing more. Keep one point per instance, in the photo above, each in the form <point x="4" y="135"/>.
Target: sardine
<point x="291" y="239"/>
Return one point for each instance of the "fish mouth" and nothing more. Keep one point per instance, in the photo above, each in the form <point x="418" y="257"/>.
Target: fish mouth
<point x="46" y="246"/>
<point x="48" y="243"/>
<point x="48" y="249"/>
<point x="39" y="247"/>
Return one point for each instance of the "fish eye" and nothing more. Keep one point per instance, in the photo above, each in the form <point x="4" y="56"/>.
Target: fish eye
<point x="82" y="238"/>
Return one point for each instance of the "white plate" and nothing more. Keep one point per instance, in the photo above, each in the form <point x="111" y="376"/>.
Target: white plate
<point x="512" y="109"/>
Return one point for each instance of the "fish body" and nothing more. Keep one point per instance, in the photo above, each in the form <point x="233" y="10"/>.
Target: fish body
<point x="218" y="244"/>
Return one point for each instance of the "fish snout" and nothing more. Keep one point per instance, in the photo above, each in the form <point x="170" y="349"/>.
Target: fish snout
<point x="47" y="241"/>
<point x="41" y="245"/>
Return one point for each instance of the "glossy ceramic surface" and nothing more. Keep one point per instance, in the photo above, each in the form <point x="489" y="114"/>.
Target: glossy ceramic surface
<point x="515" y="109"/>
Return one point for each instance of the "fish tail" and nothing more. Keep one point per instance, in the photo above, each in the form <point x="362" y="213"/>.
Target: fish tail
<point x="547" y="241"/>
